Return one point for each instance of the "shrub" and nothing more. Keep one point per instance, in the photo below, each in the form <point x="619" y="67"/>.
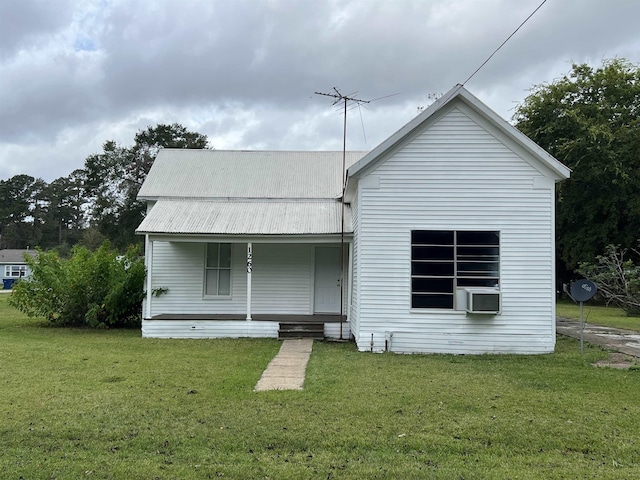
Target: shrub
<point x="96" y="289"/>
<point x="617" y="278"/>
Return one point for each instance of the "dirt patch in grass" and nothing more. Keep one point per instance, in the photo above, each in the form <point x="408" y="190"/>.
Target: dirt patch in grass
<point x="618" y="360"/>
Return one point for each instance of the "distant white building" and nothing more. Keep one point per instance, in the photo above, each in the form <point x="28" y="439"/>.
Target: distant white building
<point x="447" y="243"/>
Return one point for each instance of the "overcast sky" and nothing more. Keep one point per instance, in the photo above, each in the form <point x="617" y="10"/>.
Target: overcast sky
<point x="74" y="74"/>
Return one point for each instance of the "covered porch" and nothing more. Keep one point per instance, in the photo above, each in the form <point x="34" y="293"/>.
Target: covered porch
<point x="244" y="268"/>
<point x="272" y="287"/>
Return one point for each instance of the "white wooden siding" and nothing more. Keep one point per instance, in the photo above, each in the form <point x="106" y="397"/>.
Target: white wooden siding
<point x="458" y="174"/>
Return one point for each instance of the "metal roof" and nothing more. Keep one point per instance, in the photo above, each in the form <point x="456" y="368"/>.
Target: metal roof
<point x="215" y="174"/>
<point x="189" y="216"/>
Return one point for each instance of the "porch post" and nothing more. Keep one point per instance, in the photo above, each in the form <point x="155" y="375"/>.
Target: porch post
<point x="149" y="262"/>
<point x="249" y="269"/>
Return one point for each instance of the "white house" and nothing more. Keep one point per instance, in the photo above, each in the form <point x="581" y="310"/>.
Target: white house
<point x="446" y="243"/>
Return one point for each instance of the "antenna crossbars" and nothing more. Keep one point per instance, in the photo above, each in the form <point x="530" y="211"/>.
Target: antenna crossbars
<point x="339" y="97"/>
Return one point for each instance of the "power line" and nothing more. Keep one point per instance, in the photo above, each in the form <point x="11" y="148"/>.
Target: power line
<point x="503" y="43"/>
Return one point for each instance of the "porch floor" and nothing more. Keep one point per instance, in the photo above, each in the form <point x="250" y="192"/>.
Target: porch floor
<point x="258" y="317"/>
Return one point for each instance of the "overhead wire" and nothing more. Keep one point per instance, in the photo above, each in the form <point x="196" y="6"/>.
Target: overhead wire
<point x="503" y="43"/>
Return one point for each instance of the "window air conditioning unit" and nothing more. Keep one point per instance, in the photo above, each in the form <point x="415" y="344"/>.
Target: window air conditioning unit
<point x="483" y="300"/>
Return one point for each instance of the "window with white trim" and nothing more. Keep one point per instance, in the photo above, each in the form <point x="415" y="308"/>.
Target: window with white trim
<point x="217" y="281"/>
<point x="15" y="271"/>
<point x="444" y="260"/>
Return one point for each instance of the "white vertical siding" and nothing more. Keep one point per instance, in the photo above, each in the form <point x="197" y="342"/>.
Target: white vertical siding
<point x="456" y="175"/>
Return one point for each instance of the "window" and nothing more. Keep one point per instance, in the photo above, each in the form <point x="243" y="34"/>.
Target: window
<point x="217" y="280"/>
<point x="14" y="271"/>
<point x="442" y="261"/>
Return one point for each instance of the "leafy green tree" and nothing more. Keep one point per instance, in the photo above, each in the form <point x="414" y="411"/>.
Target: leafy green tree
<point x="38" y="208"/>
<point x="16" y="197"/>
<point x="65" y="218"/>
<point x="590" y="120"/>
<point x="114" y="177"/>
<point x="98" y="289"/>
<point x="92" y="238"/>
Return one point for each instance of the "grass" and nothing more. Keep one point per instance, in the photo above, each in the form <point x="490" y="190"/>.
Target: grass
<point x="598" y="314"/>
<point x="111" y="405"/>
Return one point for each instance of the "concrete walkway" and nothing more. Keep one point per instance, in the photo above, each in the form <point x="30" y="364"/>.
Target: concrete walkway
<point x="623" y="341"/>
<point x="286" y="371"/>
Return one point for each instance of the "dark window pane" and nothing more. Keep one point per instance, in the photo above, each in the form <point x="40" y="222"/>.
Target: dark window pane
<point x="432" y="237"/>
<point x="225" y="255"/>
<point x="477" y="238"/>
<point x="437" y="285"/>
<point x="478" y="269"/>
<point x="478" y="282"/>
<point x="212" y="254"/>
<point x="477" y="266"/>
<point x="432" y="301"/>
<point x="433" y="269"/>
<point x="478" y="252"/>
<point x="432" y="253"/>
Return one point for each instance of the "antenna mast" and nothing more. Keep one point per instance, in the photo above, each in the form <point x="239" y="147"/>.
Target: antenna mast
<point x="345" y="99"/>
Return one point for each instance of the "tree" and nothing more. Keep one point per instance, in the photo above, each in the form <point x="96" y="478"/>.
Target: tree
<point x="590" y="120"/>
<point x="114" y="177"/>
<point x="98" y="289"/>
<point x="16" y="195"/>
<point x="617" y="278"/>
<point x="64" y="219"/>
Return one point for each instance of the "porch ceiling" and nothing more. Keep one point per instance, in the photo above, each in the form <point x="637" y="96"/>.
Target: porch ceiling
<point x="189" y="216"/>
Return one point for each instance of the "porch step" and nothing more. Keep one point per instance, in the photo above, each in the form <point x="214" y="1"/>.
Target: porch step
<point x="313" y="330"/>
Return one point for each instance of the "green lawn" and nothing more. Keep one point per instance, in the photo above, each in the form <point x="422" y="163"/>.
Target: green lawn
<point x="110" y="405"/>
<point x="598" y="314"/>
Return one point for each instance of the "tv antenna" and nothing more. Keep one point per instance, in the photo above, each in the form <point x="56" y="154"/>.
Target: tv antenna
<point x="344" y="99"/>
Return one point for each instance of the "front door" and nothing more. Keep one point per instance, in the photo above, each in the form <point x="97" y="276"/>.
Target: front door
<point x="327" y="280"/>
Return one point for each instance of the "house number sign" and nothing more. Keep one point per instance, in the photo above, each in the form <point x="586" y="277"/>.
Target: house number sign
<point x="249" y="260"/>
